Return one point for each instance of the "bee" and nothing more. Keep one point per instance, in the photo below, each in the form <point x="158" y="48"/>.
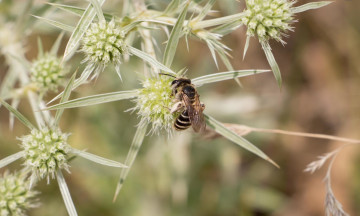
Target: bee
<point x="187" y="101"/>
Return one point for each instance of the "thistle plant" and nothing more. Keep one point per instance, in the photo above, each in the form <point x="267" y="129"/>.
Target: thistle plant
<point x="46" y="153"/>
<point x="105" y="39"/>
<point x="15" y="196"/>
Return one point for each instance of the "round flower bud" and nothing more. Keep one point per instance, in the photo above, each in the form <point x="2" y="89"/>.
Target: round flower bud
<point x="46" y="151"/>
<point x="104" y="42"/>
<point x="46" y="72"/>
<point x="15" y="196"/>
<point x="263" y="17"/>
<point x="154" y="103"/>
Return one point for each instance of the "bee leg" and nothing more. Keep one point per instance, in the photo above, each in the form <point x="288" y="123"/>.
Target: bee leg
<point x="177" y="106"/>
<point x="202" y="106"/>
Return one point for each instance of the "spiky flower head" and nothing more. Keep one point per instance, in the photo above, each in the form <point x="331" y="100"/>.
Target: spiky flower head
<point x="46" y="151"/>
<point x="15" y="195"/>
<point x="154" y="103"/>
<point x="104" y="43"/>
<point x="268" y="19"/>
<point x="47" y="72"/>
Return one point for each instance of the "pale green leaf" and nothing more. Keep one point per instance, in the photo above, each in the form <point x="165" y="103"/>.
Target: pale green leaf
<point x="70" y="207"/>
<point x="40" y="48"/>
<point x="99" y="12"/>
<point x="175" y="35"/>
<point x="205" y="10"/>
<point x="80" y="29"/>
<point x="218" y="21"/>
<point x="56" y="45"/>
<point x="148" y="58"/>
<point x="227" y="28"/>
<point x="309" y="6"/>
<point x="132" y="25"/>
<point x="232" y="136"/>
<point x="95" y="99"/>
<point x="57" y="24"/>
<point x="18" y="115"/>
<point x="133" y="151"/>
<point x="21" y="59"/>
<point x="98" y="159"/>
<point x="272" y="62"/>
<point x="9" y="159"/>
<point x="79" y="81"/>
<point x="246" y="46"/>
<point x="15" y="103"/>
<point x="8" y="83"/>
<point x="221" y="76"/>
<point x="77" y="11"/>
<point x="172" y="7"/>
<point x="64" y="98"/>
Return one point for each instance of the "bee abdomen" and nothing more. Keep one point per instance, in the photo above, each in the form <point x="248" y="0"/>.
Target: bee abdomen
<point x="183" y="121"/>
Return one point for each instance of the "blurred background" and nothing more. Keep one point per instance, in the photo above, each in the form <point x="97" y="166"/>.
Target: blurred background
<point x="190" y="174"/>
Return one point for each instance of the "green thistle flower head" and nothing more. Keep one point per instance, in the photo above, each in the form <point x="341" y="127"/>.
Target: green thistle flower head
<point x="15" y="196"/>
<point x="47" y="73"/>
<point x="268" y="19"/>
<point x="104" y="43"/>
<point x="46" y="151"/>
<point x="154" y="103"/>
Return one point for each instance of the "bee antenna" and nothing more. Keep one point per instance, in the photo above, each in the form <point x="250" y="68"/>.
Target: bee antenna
<point x="166" y="74"/>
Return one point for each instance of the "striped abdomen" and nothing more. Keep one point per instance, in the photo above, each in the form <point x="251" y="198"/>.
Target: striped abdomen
<point x="183" y="121"/>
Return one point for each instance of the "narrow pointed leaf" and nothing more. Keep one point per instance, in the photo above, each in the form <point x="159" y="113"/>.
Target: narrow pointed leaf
<point x="221" y="76"/>
<point x="227" y="28"/>
<point x="95" y="99"/>
<point x="272" y="62"/>
<point x="246" y="46"/>
<point x="132" y="25"/>
<point x="21" y="59"/>
<point x="8" y="160"/>
<point x="205" y="10"/>
<point x="133" y="151"/>
<point x="310" y="6"/>
<point x="175" y="35"/>
<point x="98" y="159"/>
<point x="218" y="21"/>
<point x="70" y="207"/>
<point x="172" y="7"/>
<point x="85" y="74"/>
<point x="15" y="103"/>
<point x="80" y="29"/>
<point x="18" y="115"/>
<point x="76" y="10"/>
<point x="213" y="54"/>
<point x="232" y="136"/>
<point x="40" y="47"/>
<point x="98" y="9"/>
<point x="55" y="47"/>
<point x="64" y="98"/>
<point x="149" y="59"/>
<point x="57" y="24"/>
<point x="8" y="83"/>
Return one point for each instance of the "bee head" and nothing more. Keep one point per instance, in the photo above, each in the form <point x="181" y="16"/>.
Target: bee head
<point x="189" y="91"/>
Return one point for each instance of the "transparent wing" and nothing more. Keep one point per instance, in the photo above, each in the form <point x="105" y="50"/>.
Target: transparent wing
<point x="195" y="113"/>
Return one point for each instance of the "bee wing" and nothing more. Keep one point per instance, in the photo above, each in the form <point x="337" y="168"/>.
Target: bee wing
<point x="195" y="113"/>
